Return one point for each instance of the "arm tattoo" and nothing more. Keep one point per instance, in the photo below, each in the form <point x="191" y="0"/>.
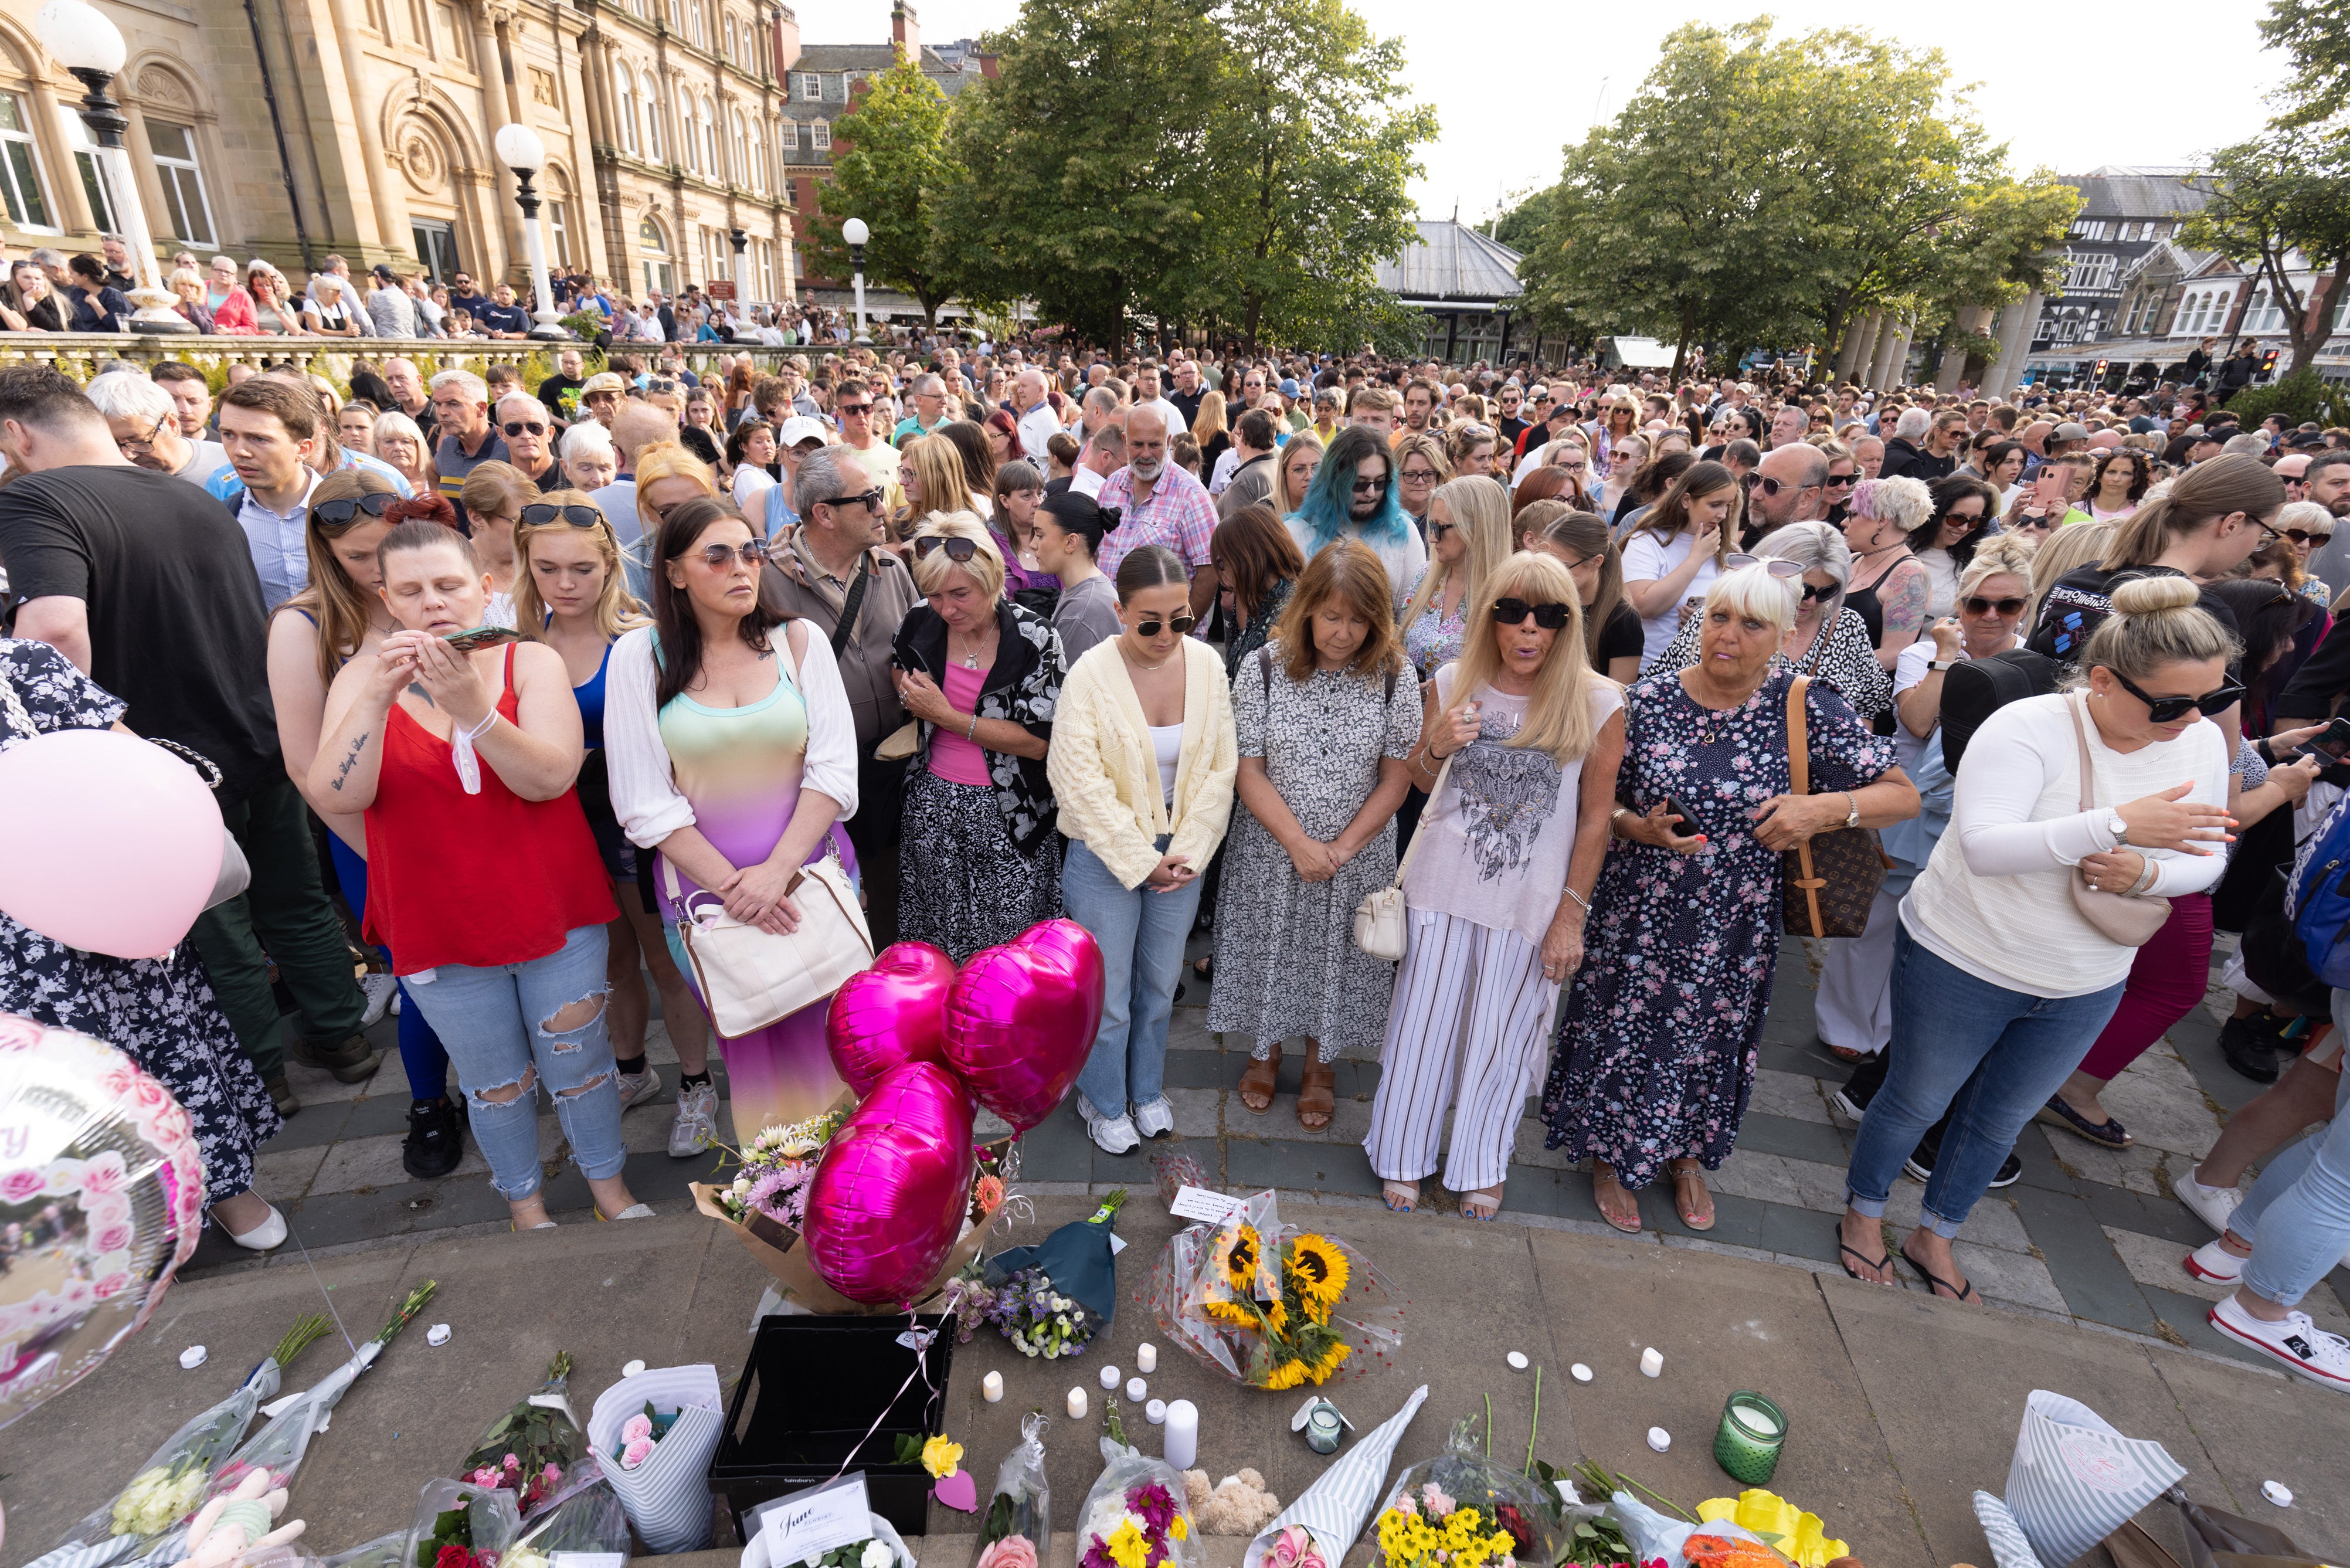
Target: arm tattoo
<point x="416" y="689"/>
<point x="343" y="768"/>
<point x="1905" y="612"/>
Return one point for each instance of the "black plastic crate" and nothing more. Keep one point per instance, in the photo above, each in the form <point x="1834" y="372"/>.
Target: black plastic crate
<point x="810" y="1392"/>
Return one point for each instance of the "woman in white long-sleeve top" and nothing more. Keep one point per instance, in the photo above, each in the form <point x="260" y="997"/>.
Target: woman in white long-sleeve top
<point x="733" y="753"/>
<point x="2000" y="982"/>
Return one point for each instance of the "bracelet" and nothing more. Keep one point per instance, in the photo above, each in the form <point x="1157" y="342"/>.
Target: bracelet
<point x="2145" y="878"/>
<point x="1578" y="899"/>
<point x="967" y="735"/>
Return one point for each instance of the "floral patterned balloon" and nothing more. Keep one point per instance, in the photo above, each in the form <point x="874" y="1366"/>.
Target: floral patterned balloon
<point x="101" y="1197"/>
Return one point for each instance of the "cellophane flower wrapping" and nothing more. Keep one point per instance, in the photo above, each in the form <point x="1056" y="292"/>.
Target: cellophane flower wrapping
<point x="1462" y="1475"/>
<point x="388" y="1551"/>
<point x="1016" y="1529"/>
<point x="532" y="1449"/>
<point x="1135" y="1517"/>
<point x="460" y="1524"/>
<point x="1274" y="1305"/>
<point x="585" y="1515"/>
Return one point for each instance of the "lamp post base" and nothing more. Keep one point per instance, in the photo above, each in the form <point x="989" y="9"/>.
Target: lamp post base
<point x="547" y="332"/>
<point x="174" y="325"/>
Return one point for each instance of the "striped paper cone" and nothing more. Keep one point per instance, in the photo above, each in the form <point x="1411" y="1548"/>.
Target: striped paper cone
<point x="2074" y="1478"/>
<point x="666" y="1498"/>
<point x="1335" y="1509"/>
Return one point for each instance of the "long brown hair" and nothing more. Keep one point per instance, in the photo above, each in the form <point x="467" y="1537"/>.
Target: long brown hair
<point x="674" y="622"/>
<point x="1252" y="550"/>
<point x="1669" y="516"/>
<point x="1586" y="533"/>
<point x="978" y="459"/>
<point x="2237" y="482"/>
<point x="617" y="610"/>
<point x="336" y="604"/>
<point x="1348" y="573"/>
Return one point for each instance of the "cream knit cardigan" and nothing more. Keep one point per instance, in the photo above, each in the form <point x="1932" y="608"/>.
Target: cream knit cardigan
<point x="1106" y="779"/>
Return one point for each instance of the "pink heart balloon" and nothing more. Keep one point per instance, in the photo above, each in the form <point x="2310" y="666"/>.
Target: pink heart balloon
<point x="888" y="1195"/>
<point x="1021" y="1020"/>
<point x="890" y="1014"/>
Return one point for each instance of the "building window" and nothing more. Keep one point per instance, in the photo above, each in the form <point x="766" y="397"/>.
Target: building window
<point x="652" y="117"/>
<point x="20" y="169"/>
<point x="436" y="248"/>
<point x="788" y="136"/>
<point x="558" y="225"/>
<point x="820" y="135"/>
<point x="741" y="148"/>
<point x="94" y="186"/>
<point x="728" y="33"/>
<point x="694" y="32"/>
<point x="653" y="240"/>
<point x="628" y="111"/>
<point x="754" y="172"/>
<point x="174" y="147"/>
<point x="811" y="87"/>
<point x="710" y="164"/>
<point x="767" y="274"/>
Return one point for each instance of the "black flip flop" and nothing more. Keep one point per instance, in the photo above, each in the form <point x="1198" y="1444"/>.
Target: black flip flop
<point x="1884" y="1262"/>
<point x="1938" y="1283"/>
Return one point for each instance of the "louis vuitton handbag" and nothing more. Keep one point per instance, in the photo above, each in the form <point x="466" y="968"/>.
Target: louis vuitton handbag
<point x="1832" y="878"/>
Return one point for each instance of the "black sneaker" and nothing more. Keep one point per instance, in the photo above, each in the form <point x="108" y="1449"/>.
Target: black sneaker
<point x="432" y="1148"/>
<point x="1920" y="1163"/>
<point x="282" y="1094"/>
<point x="1867" y="1077"/>
<point x="2251" y="1045"/>
<point x="352" y="1062"/>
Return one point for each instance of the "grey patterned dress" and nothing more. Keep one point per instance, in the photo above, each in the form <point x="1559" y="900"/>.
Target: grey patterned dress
<point x="1287" y="963"/>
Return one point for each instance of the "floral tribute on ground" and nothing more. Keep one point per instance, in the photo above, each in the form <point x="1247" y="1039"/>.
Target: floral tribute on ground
<point x="1274" y="1306"/>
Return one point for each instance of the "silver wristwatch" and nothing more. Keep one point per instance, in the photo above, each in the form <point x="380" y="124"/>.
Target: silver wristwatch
<point x="2118" y="828"/>
<point x="1852" y="817"/>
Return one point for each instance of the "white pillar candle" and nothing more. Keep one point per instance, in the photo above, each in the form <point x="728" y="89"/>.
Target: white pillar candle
<point x="1109" y="1378"/>
<point x="1652" y="1363"/>
<point x="992" y="1386"/>
<point x="1136" y="1389"/>
<point x="1157" y="1411"/>
<point x="1183" y="1434"/>
<point x="1146" y="1358"/>
<point x="1078" y="1404"/>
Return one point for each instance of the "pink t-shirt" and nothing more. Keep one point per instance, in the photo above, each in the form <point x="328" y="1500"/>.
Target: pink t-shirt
<point x="952" y="758"/>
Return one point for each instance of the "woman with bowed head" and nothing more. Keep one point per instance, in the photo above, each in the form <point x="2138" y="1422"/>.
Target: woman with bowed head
<point x="1674" y="554"/>
<point x="930" y="474"/>
<point x="1067" y="534"/>
<point x="1468" y="536"/>
<point x="1325" y="715"/>
<point x="1986" y="1027"/>
<point x="483" y="881"/>
<point x="1257" y="566"/>
<point x="1579" y="541"/>
<point x="1353" y="496"/>
<point x="732" y="752"/>
<point x="570" y="597"/>
<point x="667" y="477"/>
<point x="1656" y="1057"/>
<point x="1964" y="511"/>
<point x="1142" y="766"/>
<point x="1829" y="640"/>
<point x="982" y="675"/>
<point x="493" y="495"/>
<point x="341" y="613"/>
<point x="1519" y="746"/>
<point x="1019" y="491"/>
<point x="1889" y="585"/>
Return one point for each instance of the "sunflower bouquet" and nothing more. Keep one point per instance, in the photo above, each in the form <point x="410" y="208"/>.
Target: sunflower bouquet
<point x="1274" y="1306"/>
<point x="1467" y="1510"/>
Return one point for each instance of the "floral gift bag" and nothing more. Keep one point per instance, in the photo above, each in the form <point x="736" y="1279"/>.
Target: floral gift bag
<point x="654" y="1435"/>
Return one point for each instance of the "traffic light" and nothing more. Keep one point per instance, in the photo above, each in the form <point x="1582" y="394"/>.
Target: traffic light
<point x="2101" y="370"/>
<point x="2268" y="364"/>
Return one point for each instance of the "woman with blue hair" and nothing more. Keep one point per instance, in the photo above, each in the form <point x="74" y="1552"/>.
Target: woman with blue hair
<point x="1353" y="496"/>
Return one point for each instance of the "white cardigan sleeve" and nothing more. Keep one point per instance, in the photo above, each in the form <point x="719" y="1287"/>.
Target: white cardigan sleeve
<point x="831" y="766"/>
<point x="644" y="791"/>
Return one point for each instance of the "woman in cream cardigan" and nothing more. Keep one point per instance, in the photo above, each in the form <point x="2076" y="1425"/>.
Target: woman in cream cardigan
<point x="1142" y="764"/>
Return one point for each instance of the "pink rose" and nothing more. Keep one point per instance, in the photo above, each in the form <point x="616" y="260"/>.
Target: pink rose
<point x="636" y="1426"/>
<point x="112" y="1239"/>
<point x="104" y="1176"/>
<point x="18" y="1033"/>
<point x="1012" y="1551"/>
<point x="113" y="1285"/>
<point x="18" y="1186"/>
<point x="639" y="1451"/>
<point x="513" y="1463"/>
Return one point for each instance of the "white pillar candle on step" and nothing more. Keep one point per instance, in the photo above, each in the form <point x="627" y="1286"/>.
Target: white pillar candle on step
<point x="1146" y="1358"/>
<point x="993" y="1387"/>
<point x="1652" y="1363"/>
<point x="1078" y="1404"/>
<point x="1183" y="1434"/>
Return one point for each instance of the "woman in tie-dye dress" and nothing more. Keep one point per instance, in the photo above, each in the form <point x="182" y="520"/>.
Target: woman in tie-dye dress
<point x="733" y="755"/>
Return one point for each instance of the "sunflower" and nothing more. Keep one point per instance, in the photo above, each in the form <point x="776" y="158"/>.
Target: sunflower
<point x="1336" y="1353"/>
<point x="1240" y="1261"/>
<point x="1288" y="1374"/>
<point x="1236" y="1315"/>
<point x="1276" y="1317"/>
<point x="1317" y="1269"/>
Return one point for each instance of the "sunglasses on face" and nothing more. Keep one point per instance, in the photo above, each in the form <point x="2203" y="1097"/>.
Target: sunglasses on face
<point x="2003" y="608"/>
<point x="1839" y="481"/>
<point x="2303" y="536"/>
<point x="516" y="427"/>
<point x="1814" y="591"/>
<point x="1550" y="617"/>
<point x="850" y="411"/>
<point x="1437" y="531"/>
<point x="718" y="557"/>
<point x="335" y="514"/>
<point x="1773" y="487"/>
<point x="2169" y="710"/>
<point x="958" y="550"/>
<point x="540" y="513"/>
<point x="1179" y="623"/>
<point x="1371" y="487"/>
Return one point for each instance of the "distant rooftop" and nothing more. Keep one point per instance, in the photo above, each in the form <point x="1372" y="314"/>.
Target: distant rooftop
<point x="1451" y="264"/>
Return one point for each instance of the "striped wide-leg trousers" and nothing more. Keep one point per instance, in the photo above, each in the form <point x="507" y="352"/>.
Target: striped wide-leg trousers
<point x="1472" y="1010"/>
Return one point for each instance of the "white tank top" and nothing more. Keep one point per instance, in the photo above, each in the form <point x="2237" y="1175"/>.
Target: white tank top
<point x="1167" y="745"/>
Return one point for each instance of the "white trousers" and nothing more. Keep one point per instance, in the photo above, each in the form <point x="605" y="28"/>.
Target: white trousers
<point x="1471" y="1011"/>
<point x="1854" y="1008"/>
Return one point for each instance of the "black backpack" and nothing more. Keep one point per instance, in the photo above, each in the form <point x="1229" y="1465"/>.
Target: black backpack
<point x="1975" y="688"/>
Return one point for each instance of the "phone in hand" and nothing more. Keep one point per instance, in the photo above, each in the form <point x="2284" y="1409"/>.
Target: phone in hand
<point x="2329" y="745"/>
<point x="479" y="638"/>
<point x="1687" y="827"/>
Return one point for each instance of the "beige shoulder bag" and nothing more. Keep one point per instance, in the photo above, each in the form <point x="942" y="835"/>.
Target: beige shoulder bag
<point x="1378" y="918"/>
<point x="2123" y="918"/>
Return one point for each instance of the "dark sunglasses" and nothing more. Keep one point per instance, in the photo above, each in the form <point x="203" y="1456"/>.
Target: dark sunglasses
<point x="871" y="500"/>
<point x="852" y="408"/>
<point x="718" y="557"/>
<point x="2303" y="536"/>
<point x="1980" y="606"/>
<point x="2166" y="709"/>
<point x="1837" y="481"/>
<point x="1814" y="591"/>
<point x="660" y="384"/>
<point x="539" y="513"/>
<point x="515" y="427"/>
<point x="1550" y="617"/>
<point x="1179" y="623"/>
<point x="335" y="514"/>
<point x="959" y="550"/>
<point x="1439" y="530"/>
<point x="1370" y="486"/>
<point x="1773" y="487"/>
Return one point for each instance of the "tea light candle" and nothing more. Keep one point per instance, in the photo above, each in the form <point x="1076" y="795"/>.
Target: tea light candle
<point x="1748" y="1441"/>
<point x="992" y="1386"/>
<point x="1078" y="1404"/>
<point x="1109" y="1376"/>
<point x="1157" y="1411"/>
<point x="1659" y="1439"/>
<point x="1652" y="1363"/>
<point x="1183" y="1434"/>
<point x="1146" y="1358"/>
<point x="1136" y="1389"/>
<point x="1581" y="1373"/>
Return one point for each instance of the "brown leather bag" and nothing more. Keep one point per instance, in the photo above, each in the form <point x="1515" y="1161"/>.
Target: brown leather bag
<point x="1832" y="878"/>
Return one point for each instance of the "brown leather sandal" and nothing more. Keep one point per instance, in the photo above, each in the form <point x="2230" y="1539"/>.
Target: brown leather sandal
<point x="1258" y="1083"/>
<point x="1626" y="1217"/>
<point x="1688" y="1192"/>
<point x="1317" y="1095"/>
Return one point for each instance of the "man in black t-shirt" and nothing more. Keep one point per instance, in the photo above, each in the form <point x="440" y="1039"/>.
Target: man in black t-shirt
<point x="147" y="584"/>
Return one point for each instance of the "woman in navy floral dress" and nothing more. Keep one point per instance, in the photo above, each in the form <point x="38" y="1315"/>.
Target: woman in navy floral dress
<point x="1656" y="1057"/>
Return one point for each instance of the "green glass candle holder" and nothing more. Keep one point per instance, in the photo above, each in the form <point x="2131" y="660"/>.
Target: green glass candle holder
<point x="1753" y="1431"/>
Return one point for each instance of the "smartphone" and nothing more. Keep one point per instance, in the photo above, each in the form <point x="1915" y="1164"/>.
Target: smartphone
<point x="480" y="638"/>
<point x="2329" y="745"/>
<point x="1687" y="827"/>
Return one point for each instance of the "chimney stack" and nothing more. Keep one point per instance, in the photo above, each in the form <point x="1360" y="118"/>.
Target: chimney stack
<point x="786" y="40"/>
<point x="905" y="32"/>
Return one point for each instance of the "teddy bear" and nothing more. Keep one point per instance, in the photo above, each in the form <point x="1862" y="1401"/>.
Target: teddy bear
<point x="237" y="1523"/>
<point x="1236" y="1505"/>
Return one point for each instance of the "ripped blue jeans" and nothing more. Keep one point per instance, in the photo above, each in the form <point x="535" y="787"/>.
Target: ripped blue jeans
<point x="504" y="1029"/>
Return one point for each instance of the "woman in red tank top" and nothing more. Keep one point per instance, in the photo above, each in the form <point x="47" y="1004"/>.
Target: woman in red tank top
<point x="483" y="878"/>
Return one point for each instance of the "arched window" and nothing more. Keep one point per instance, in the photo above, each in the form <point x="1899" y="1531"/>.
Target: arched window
<point x="741" y="148"/>
<point x="710" y="164"/>
<point x="695" y="32"/>
<point x="627" y="107"/>
<point x="652" y="118"/>
<point x="728" y="33"/>
<point x="652" y="241"/>
<point x="754" y="170"/>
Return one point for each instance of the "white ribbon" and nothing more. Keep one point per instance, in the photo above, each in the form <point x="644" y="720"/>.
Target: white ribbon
<point x="461" y="748"/>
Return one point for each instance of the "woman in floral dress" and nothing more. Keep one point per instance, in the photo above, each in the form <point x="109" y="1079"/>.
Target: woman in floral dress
<point x="1656" y="1057"/>
<point x="160" y="1013"/>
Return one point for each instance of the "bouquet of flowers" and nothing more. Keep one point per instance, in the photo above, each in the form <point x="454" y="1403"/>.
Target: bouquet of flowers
<point x="1471" y="1511"/>
<point x="772" y="1175"/>
<point x="657" y="1432"/>
<point x="585" y="1516"/>
<point x="1018" y="1515"/>
<point x="1037" y="1319"/>
<point x="1050" y="1299"/>
<point x="1274" y="1306"/>
<point x="460" y="1524"/>
<point x="531" y="1448"/>
<point x="1135" y="1517"/>
<point x="1431" y="1527"/>
<point x="1315" y="1530"/>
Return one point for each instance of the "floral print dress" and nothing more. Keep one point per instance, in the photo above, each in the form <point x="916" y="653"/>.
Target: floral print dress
<point x="160" y="1013"/>
<point x="1656" y="1057"/>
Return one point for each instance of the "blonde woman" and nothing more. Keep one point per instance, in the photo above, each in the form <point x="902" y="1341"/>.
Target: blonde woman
<point x="1420" y="466"/>
<point x="493" y="495"/>
<point x="1209" y="429"/>
<point x="1890" y="586"/>
<point x="1534" y="738"/>
<point x="398" y="441"/>
<point x="1468" y="536"/>
<point x="2067" y="550"/>
<point x="667" y="477"/>
<point x="1293" y="472"/>
<point x="930" y="473"/>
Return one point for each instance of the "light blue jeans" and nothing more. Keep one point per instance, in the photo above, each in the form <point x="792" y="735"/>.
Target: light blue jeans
<point x="1988" y="1056"/>
<point x="1141" y="933"/>
<point x="2297" y="1215"/>
<point x="493" y="1022"/>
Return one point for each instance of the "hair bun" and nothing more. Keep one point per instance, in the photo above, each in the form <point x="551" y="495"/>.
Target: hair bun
<point x="2153" y="596"/>
<point x="1109" y="516"/>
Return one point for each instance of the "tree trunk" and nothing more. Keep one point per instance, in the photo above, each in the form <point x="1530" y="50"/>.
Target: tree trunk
<point x="2307" y="339"/>
<point x="1681" y="344"/>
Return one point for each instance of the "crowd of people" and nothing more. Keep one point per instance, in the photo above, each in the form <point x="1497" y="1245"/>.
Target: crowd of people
<point x="1496" y="723"/>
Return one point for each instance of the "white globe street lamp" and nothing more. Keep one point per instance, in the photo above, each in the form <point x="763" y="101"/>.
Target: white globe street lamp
<point x="519" y="148"/>
<point x="856" y="234"/>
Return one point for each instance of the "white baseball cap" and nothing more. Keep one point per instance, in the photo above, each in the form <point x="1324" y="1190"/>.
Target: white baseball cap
<point x="800" y="428"/>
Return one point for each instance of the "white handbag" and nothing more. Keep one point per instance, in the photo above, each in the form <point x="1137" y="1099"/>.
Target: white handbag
<point x="1378" y="918"/>
<point x="750" y="977"/>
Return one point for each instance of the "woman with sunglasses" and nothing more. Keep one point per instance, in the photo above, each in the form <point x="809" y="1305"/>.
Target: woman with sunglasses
<point x="494" y="496"/>
<point x="340" y="615"/>
<point x="1963" y="514"/>
<point x="1625" y="463"/>
<point x="1519" y="744"/>
<point x="1844" y="473"/>
<point x="1352" y="496"/>
<point x="483" y="879"/>
<point x="1468" y="537"/>
<point x="931" y="477"/>
<point x="981" y="676"/>
<point x="1420" y="467"/>
<point x="1654" y="1066"/>
<point x="1579" y="541"/>
<point x="732" y="752"/>
<point x="1675" y="552"/>
<point x="1989" y="1026"/>
<point x="1142" y="766"/>
<point x="1829" y="640"/>
<point x="2123" y="477"/>
<point x="2306" y="526"/>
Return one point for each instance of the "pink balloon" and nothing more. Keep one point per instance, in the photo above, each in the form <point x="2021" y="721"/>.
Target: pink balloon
<point x="890" y="1014"/>
<point x="109" y="843"/>
<point x="1022" y="1018"/>
<point x="890" y="1192"/>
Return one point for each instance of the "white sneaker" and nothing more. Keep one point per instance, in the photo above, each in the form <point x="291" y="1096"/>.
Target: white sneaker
<point x="1111" y="1135"/>
<point x="696" y="1128"/>
<point x="1156" y="1120"/>
<point x="380" y="991"/>
<point x="638" y="1087"/>
<point x="2297" y="1341"/>
<point x="2214" y="1262"/>
<point x="2212" y="1205"/>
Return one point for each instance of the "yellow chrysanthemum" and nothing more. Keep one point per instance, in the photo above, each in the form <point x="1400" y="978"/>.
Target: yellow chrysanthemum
<point x="1126" y="1547"/>
<point x="1317" y="1269"/>
<point x="1240" y="1260"/>
<point x="1178" y="1529"/>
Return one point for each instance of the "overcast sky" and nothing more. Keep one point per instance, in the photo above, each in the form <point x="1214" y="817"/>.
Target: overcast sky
<point x="2068" y="87"/>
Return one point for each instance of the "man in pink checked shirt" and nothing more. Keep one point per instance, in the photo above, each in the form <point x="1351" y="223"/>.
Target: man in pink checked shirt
<point x="1158" y="504"/>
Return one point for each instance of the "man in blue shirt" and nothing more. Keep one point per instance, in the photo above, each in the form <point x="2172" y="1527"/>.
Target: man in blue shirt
<point x="504" y="317"/>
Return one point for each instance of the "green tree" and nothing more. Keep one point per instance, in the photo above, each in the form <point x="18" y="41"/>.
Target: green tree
<point x="891" y="166"/>
<point x="2278" y="203"/>
<point x="2315" y="36"/>
<point x="1521" y="228"/>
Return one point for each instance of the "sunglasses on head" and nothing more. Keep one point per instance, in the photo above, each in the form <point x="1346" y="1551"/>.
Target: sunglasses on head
<point x="1776" y="566"/>
<point x="335" y="514"/>
<point x="538" y="514"/>
<point x="1549" y="616"/>
<point x="1179" y="623"/>
<point x="1980" y="606"/>
<point x="2169" y="710"/>
<point x="718" y="557"/>
<point x="959" y="550"/>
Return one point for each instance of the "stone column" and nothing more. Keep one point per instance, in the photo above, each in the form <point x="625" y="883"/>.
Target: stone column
<point x="1861" y="344"/>
<point x="1953" y="368"/>
<point x="2015" y="327"/>
<point x="1892" y="343"/>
